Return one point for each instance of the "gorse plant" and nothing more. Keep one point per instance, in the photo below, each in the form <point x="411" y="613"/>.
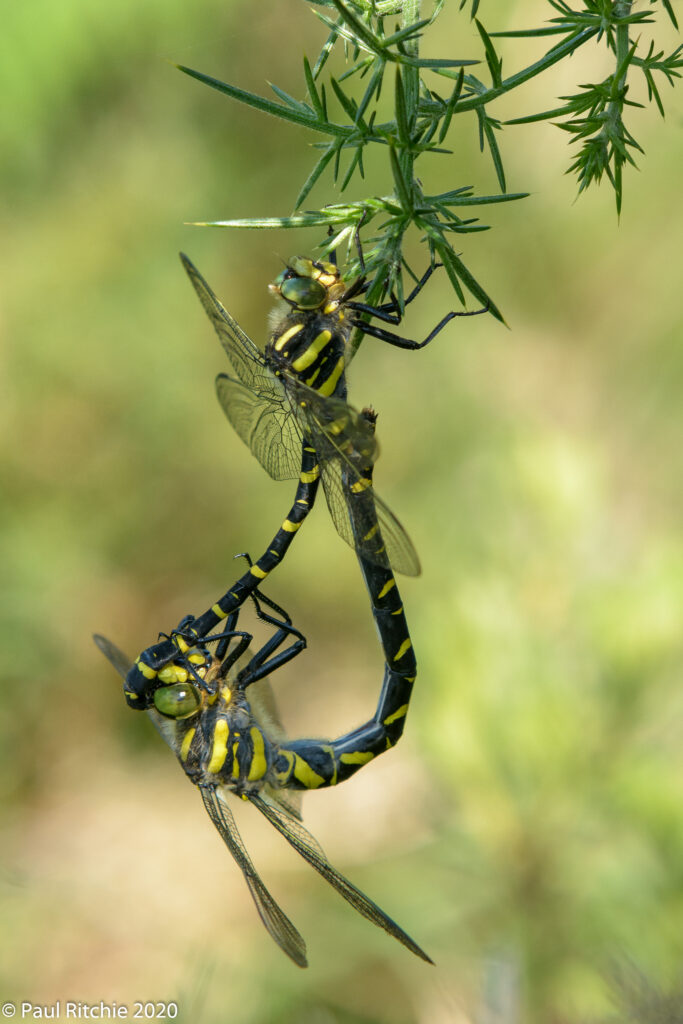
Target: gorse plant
<point x="426" y="115"/>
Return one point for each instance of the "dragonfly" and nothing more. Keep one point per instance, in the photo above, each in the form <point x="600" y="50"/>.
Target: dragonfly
<point x="219" y="717"/>
<point x="294" y="394"/>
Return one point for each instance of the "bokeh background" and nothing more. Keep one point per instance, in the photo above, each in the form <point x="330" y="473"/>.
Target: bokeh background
<point x="528" y="830"/>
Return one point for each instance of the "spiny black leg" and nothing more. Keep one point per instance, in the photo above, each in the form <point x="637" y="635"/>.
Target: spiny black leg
<point x="183" y="629"/>
<point x="228" y="660"/>
<point x="234" y="656"/>
<point x="399" y="342"/>
<point x="391" y="312"/>
<point x="258" y="596"/>
<point x="419" y="285"/>
<point x="262" y="664"/>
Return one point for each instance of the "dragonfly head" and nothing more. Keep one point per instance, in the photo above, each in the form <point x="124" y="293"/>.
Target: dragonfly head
<point x="184" y="684"/>
<point x="305" y="284"/>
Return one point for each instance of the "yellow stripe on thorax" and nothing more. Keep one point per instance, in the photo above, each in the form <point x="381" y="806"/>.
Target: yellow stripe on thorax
<point x="386" y="588"/>
<point x="187" y="743"/>
<point x="308" y="357"/>
<point x="258" y="766"/>
<point x="330" y="384"/>
<point x="284" y="338"/>
<point x="310" y="381"/>
<point x="235" y="762"/>
<point x="220" y="747"/>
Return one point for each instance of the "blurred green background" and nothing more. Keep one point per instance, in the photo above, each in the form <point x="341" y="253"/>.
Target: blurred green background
<point x="528" y="830"/>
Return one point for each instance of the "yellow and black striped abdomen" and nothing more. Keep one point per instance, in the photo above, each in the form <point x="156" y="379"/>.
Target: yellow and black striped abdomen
<point x="310" y="346"/>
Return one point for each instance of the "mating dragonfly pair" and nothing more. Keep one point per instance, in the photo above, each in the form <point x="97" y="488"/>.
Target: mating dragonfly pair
<point x="215" y="710"/>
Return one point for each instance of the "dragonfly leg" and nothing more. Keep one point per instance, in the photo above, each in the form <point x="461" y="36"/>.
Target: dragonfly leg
<point x="399" y="342"/>
<point x="265" y="660"/>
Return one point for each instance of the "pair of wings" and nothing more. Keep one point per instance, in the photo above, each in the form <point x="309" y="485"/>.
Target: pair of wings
<point x="276" y="415"/>
<point x="284" y="819"/>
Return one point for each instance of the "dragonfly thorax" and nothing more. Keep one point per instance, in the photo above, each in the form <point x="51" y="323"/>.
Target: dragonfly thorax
<point x="310" y="346"/>
<point x="224" y="744"/>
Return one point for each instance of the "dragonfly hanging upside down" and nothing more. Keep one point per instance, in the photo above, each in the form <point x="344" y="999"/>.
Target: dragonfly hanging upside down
<point x="229" y="740"/>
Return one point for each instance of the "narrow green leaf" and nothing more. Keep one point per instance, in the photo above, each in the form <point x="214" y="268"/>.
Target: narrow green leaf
<point x="450" y="107"/>
<point x="653" y="91"/>
<point x="373" y="88"/>
<point x="351" y="168"/>
<point x="312" y="91"/>
<point x="435" y="62"/>
<point x="290" y="101"/>
<point x="474" y="287"/>
<point x="314" y="175"/>
<point x="363" y="33"/>
<point x="494" y="62"/>
<point x="308" y="219"/>
<point x="328" y="46"/>
<point x="495" y="153"/>
<point x="402" y="125"/>
<point x="546" y="115"/>
<point x="670" y="11"/>
<point x="445" y="254"/>
<point x="529" y="33"/>
<point x="403" y="191"/>
<point x="284" y="113"/>
<point x="454" y="199"/>
<point x="414" y="29"/>
<point x="346" y="101"/>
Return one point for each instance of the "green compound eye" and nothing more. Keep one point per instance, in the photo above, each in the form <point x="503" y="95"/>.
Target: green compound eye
<point x="180" y="700"/>
<point x="303" y="292"/>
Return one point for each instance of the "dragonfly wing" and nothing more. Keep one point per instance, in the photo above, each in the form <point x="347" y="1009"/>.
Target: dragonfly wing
<point x="387" y="546"/>
<point x="119" y="660"/>
<point x="264" y="420"/>
<point x="164" y="726"/>
<point x="276" y="921"/>
<point x="346" y="447"/>
<point x="245" y="357"/>
<point x="304" y="843"/>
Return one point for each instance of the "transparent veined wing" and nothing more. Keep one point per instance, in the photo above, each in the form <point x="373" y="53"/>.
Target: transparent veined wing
<point x="276" y="921"/>
<point x="304" y="843"/>
<point x="345" y="444"/>
<point x="122" y="663"/>
<point x="245" y="357"/>
<point x="119" y="660"/>
<point x="265" y="422"/>
<point x="395" y="549"/>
